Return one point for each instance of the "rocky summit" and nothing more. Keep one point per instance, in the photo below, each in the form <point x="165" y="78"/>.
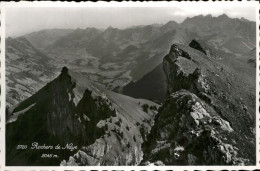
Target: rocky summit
<point x="207" y="118"/>
<point x="107" y="128"/>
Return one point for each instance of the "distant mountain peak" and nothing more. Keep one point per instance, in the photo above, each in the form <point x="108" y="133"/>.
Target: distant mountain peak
<point x="224" y="16"/>
<point x="111" y="28"/>
<point x="171" y="22"/>
<point x="208" y="16"/>
<point x="170" y="25"/>
<point x="244" y="19"/>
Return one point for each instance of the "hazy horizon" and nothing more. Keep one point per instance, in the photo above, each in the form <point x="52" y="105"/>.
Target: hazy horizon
<point x="25" y="20"/>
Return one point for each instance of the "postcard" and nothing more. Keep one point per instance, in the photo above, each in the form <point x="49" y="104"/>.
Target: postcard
<point x="129" y="85"/>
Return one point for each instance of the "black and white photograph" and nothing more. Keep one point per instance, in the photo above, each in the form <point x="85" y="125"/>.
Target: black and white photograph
<point x="129" y="84"/>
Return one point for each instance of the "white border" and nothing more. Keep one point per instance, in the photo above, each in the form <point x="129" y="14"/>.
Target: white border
<point x="257" y="87"/>
<point x="4" y="5"/>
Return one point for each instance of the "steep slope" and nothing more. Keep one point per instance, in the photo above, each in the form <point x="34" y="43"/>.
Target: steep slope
<point x="27" y="70"/>
<point x="71" y="110"/>
<point x="124" y="133"/>
<point x="45" y="118"/>
<point x="152" y="86"/>
<point x="208" y="117"/>
<point x="42" y="39"/>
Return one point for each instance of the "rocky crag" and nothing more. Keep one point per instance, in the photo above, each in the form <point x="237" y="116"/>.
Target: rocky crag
<point x="208" y="117"/>
<point x="107" y="128"/>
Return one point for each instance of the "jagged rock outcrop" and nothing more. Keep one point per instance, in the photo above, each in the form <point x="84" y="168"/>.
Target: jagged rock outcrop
<point x="104" y="127"/>
<point x="203" y="47"/>
<point x="51" y="117"/>
<point x="190" y="132"/>
<point x="181" y="71"/>
<point x="207" y="118"/>
<point x="121" y="142"/>
<point x="46" y="118"/>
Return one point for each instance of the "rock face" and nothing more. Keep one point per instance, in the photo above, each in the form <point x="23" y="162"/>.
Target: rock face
<point x="49" y="117"/>
<point x="121" y="142"/>
<point x="106" y="128"/>
<point x="189" y="133"/>
<point x="203" y="47"/>
<point x="207" y="118"/>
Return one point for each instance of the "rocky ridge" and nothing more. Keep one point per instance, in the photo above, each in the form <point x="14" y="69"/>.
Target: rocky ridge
<point x="107" y="128"/>
<point x="200" y="120"/>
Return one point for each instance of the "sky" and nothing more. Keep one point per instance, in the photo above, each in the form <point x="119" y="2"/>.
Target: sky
<point x="24" y="20"/>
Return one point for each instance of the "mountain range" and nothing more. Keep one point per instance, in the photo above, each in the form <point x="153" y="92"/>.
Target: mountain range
<point x="172" y="94"/>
